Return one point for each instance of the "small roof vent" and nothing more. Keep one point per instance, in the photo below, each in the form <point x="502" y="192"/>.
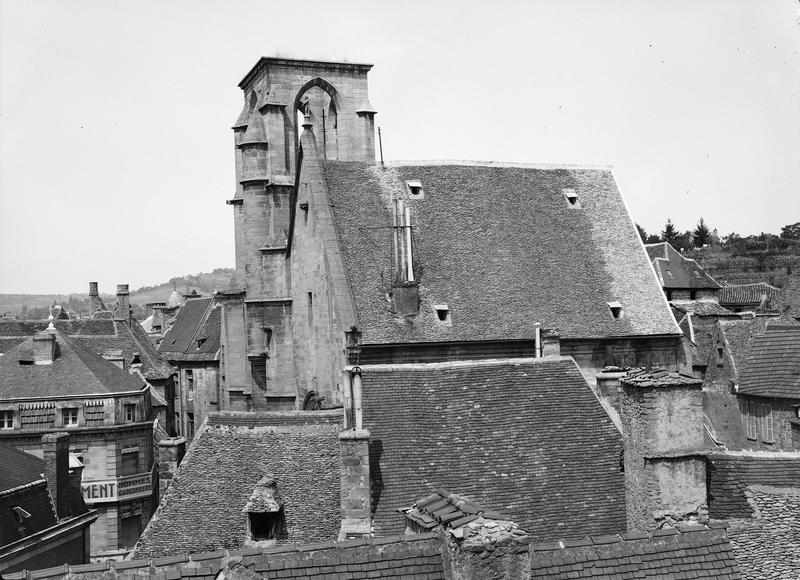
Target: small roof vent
<point x="442" y="313"/>
<point x="572" y="197"/>
<point x="414" y="187"/>
<point x="616" y="309"/>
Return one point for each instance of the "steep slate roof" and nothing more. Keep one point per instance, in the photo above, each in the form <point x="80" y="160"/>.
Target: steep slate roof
<point x="692" y="551"/>
<point x="745" y="294"/>
<point x="502" y="247"/>
<point x="197" y="320"/>
<point x="75" y="371"/>
<point x="730" y="474"/>
<point x="523" y="437"/>
<point x="403" y="557"/>
<point x="20" y="469"/>
<point x="230" y="453"/>
<point x="738" y="336"/>
<point x="96" y="335"/>
<point x="772" y="369"/>
<point x="675" y="271"/>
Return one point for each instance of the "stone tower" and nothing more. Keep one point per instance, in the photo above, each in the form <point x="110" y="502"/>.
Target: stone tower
<point x="279" y="96"/>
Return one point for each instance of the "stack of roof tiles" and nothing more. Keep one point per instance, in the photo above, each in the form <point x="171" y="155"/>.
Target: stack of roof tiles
<point x="524" y="437"/>
<point x="692" y="551"/>
<point x="230" y="454"/>
<point x="445" y="508"/>
<point x="641" y="378"/>
<point x="473" y="235"/>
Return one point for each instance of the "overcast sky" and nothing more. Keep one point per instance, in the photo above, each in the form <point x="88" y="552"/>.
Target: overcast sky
<point x="116" y="153"/>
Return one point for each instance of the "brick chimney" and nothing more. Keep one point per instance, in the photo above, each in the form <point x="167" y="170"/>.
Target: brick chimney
<point x="56" y="469"/>
<point x="170" y="453"/>
<point x="44" y="347"/>
<point x="94" y="299"/>
<point x="123" y="303"/>
<point x="665" y="470"/>
<point x="355" y="486"/>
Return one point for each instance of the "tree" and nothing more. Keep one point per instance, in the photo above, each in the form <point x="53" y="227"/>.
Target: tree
<point x="642" y="233"/>
<point x="701" y="234"/>
<point x="669" y="233"/>
<point x="791" y="232"/>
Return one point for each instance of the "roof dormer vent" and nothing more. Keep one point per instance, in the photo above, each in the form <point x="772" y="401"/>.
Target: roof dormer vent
<point x="414" y="187"/>
<point x="616" y="309"/>
<point x="442" y="313"/>
<point x="572" y="197"/>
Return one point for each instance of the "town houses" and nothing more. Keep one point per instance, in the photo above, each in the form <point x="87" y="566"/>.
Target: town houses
<point x="429" y="369"/>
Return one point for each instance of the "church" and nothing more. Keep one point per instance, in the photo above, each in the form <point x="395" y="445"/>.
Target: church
<point x="342" y="260"/>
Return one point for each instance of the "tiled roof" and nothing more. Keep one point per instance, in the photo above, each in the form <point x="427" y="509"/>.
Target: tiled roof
<point x="772" y="369"/>
<point x="789" y="298"/>
<point x="19" y="468"/>
<point x="702" y="308"/>
<point x="502" y="247"/>
<point x="98" y="336"/>
<point x="75" y="371"/>
<point x="730" y="474"/>
<point x="738" y="336"/>
<point x="195" y="334"/>
<point x="523" y="437"/>
<point x="415" y="557"/>
<point x="692" y="551"/>
<point x="675" y="271"/>
<point x="230" y="453"/>
<point x="745" y="294"/>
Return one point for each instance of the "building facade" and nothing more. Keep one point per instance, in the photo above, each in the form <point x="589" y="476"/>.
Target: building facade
<point x="51" y="383"/>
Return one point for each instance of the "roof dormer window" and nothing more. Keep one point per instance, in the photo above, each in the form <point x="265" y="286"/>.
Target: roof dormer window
<point x="266" y="523"/>
<point x="572" y="198"/>
<point x="616" y="309"/>
<point x="415" y="190"/>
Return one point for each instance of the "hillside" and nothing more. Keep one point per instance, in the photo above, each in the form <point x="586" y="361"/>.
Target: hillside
<point x="764" y="258"/>
<point x="37" y="306"/>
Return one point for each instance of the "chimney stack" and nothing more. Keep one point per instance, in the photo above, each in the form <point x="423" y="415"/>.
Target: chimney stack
<point x="665" y="470"/>
<point x="94" y="299"/>
<point x="123" y="303"/>
<point x="56" y="459"/>
<point x="354" y="483"/>
<point x="170" y="453"/>
<point x="44" y="348"/>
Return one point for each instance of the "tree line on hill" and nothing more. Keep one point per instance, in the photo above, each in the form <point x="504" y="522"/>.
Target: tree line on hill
<point x="702" y="236"/>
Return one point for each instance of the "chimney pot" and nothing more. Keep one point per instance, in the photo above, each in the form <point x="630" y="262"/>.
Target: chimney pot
<point x="123" y="303"/>
<point x="93" y="289"/>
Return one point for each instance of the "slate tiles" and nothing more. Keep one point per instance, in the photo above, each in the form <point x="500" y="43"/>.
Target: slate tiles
<point x="730" y="475"/>
<point x="411" y="557"/>
<point x="772" y="368"/>
<point x="524" y="437"/>
<point x="675" y="271"/>
<point x="502" y="247"/>
<point x="202" y="510"/>
<point x="195" y="334"/>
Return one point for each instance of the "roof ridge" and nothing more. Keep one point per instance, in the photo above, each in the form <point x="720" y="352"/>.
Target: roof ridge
<point x="681" y="529"/>
<point x="388" y="367"/>
<point x="508" y="164"/>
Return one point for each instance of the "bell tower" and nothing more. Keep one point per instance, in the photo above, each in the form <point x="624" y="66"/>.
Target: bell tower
<point x="279" y="96"/>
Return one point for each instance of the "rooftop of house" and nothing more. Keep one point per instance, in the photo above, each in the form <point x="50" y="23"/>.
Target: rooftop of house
<point x="703" y="308"/>
<point x="395" y="558"/>
<point x="230" y="454"/>
<point x="98" y="336"/>
<point x="29" y="500"/>
<point x="74" y="370"/>
<point x="500" y="432"/>
<point x="747" y="294"/>
<point x="687" y="551"/>
<point x="503" y="247"/>
<point x="732" y="475"/>
<point x="195" y="334"/>
<point x="772" y="368"/>
<point x="738" y="338"/>
<point x="675" y="271"/>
